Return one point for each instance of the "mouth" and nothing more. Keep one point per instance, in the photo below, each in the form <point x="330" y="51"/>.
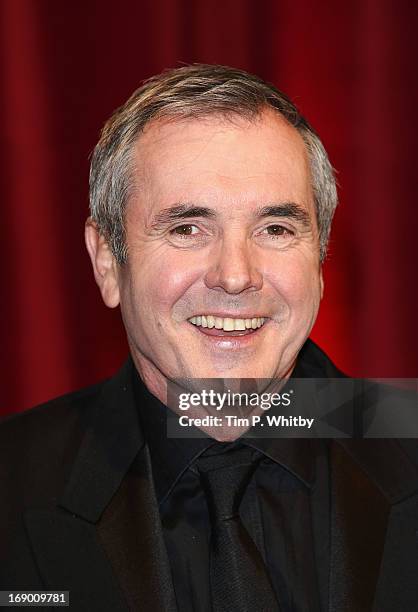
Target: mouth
<point x="223" y="327"/>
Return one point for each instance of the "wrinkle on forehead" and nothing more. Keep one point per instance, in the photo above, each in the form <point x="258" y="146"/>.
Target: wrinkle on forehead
<point x="160" y="132"/>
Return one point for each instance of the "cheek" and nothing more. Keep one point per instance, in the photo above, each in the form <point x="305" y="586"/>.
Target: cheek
<point x="298" y="283"/>
<point x="163" y="282"/>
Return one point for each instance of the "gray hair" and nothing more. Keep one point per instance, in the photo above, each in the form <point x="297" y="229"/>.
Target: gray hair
<point x="192" y="92"/>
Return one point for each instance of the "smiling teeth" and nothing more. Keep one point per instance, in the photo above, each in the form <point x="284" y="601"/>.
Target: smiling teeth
<point x="227" y="324"/>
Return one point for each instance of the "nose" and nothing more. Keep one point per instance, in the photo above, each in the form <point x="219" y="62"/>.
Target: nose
<point x="233" y="268"/>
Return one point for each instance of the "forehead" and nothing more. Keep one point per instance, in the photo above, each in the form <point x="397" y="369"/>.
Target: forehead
<point x="217" y="161"/>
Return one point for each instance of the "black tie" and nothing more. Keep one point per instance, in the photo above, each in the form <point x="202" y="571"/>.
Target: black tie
<point x="239" y="580"/>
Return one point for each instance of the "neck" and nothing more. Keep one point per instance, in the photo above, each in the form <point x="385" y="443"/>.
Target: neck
<point x="225" y="424"/>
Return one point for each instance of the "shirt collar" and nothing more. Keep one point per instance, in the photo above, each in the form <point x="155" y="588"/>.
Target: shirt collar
<point x="171" y="457"/>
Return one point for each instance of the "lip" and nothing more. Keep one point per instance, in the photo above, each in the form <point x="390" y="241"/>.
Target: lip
<point x="230" y="315"/>
<point x="231" y="342"/>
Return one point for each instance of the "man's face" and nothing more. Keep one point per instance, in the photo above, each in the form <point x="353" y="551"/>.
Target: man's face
<point x="221" y="226"/>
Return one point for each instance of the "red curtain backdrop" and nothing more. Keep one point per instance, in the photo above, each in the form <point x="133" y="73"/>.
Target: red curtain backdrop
<point x="350" y="67"/>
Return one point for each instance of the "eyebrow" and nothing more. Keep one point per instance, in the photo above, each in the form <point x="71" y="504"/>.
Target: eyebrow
<point x="181" y="211"/>
<point x="288" y="210"/>
<point x="177" y="212"/>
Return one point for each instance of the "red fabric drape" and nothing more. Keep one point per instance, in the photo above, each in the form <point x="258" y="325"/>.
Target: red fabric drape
<point x="65" y="66"/>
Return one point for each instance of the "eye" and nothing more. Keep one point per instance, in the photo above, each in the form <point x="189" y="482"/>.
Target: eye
<point x="278" y="231"/>
<point x="184" y="230"/>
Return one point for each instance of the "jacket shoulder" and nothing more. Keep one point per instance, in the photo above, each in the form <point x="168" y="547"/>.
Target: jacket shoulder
<point x="53" y="413"/>
<point x="37" y="446"/>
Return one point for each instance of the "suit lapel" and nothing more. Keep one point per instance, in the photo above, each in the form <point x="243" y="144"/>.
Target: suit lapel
<point x="397" y="588"/>
<point x="130" y="532"/>
<point x="103" y="540"/>
<point x="370" y="478"/>
<point x="69" y="557"/>
<point x="374" y="511"/>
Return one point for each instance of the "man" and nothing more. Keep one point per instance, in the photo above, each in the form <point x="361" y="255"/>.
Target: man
<point x="211" y="207"/>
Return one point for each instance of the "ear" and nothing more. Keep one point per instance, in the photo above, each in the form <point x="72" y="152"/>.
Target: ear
<point x="321" y="282"/>
<point x="104" y="264"/>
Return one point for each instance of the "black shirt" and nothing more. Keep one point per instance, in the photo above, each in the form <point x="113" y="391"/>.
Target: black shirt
<point x="285" y="509"/>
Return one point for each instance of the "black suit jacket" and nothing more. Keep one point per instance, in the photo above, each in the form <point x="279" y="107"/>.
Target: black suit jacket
<point x="78" y="510"/>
